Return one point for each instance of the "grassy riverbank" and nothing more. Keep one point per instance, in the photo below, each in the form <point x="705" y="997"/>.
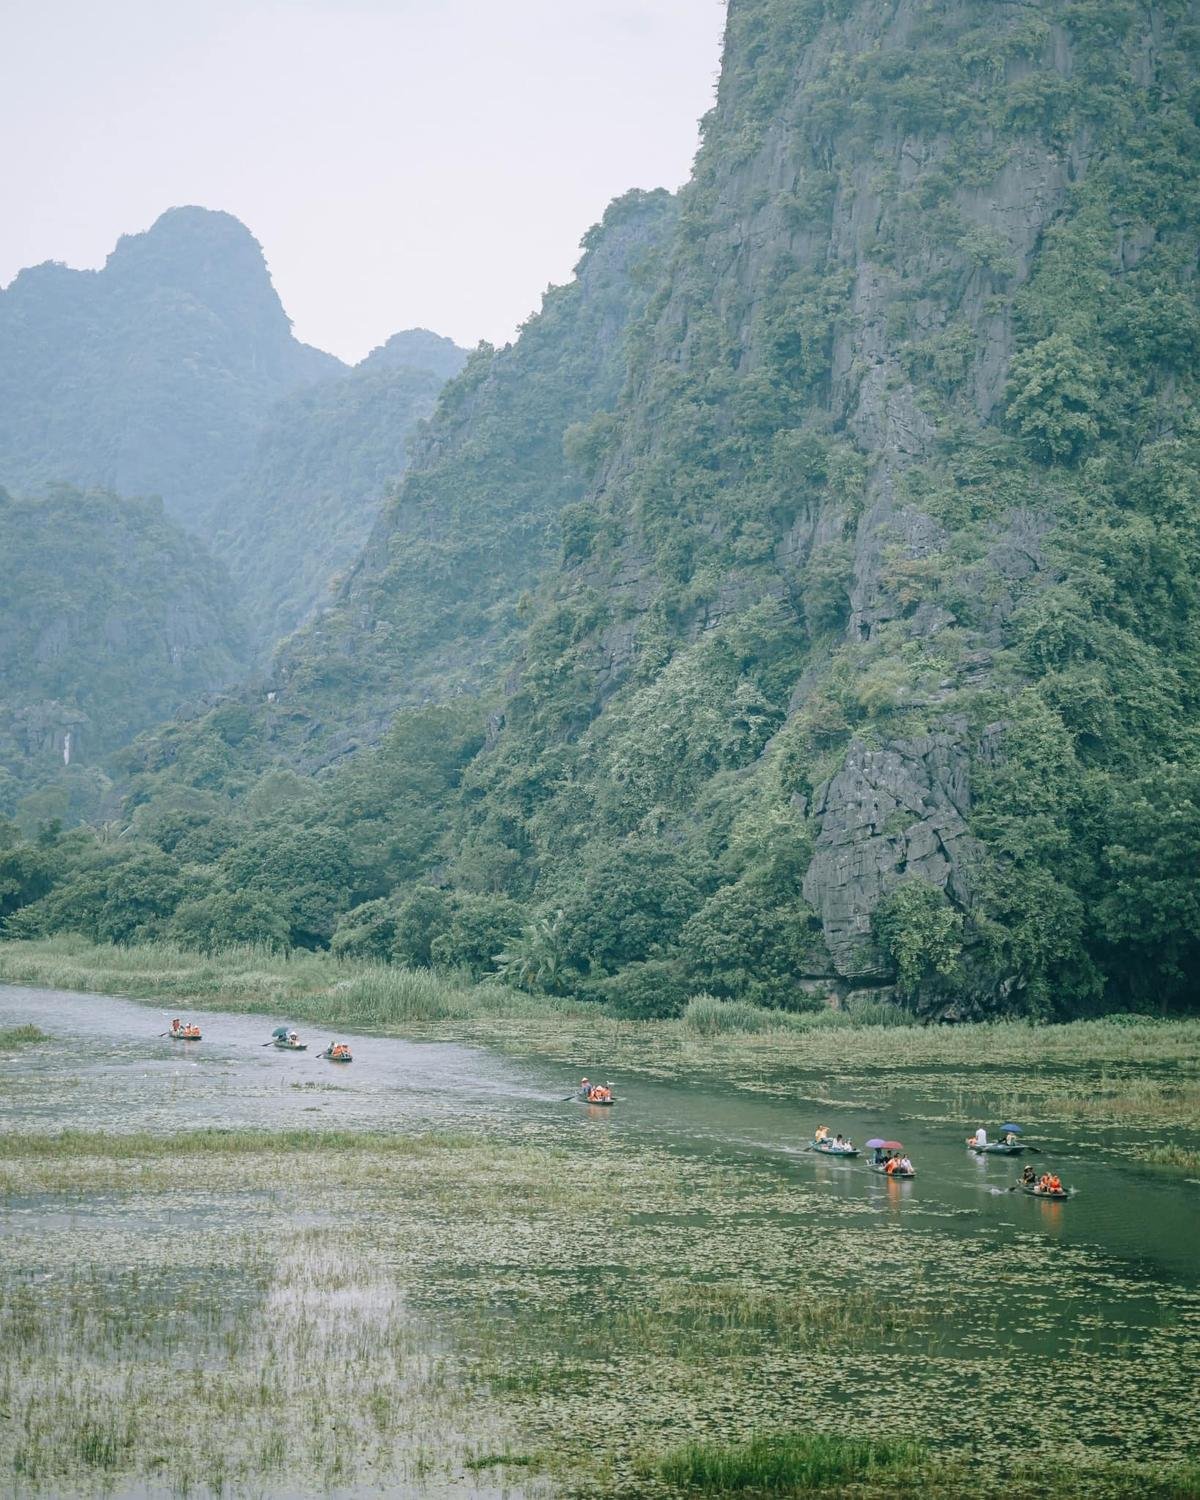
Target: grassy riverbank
<point x="1122" y="1071"/>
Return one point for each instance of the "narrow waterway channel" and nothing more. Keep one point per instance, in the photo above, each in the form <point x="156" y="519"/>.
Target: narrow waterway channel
<point x="1088" y="1311"/>
<point x="110" y="1069"/>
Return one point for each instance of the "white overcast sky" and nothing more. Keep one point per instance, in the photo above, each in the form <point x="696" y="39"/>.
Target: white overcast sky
<point x="403" y="162"/>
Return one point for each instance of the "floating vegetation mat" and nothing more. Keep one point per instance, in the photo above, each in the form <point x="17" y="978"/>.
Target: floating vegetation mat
<point x="289" y="1313"/>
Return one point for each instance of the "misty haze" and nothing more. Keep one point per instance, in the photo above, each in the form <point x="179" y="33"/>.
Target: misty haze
<point x="600" y="749"/>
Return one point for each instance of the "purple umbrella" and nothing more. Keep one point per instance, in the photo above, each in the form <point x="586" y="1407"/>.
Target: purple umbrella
<point x="874" y="1143"/>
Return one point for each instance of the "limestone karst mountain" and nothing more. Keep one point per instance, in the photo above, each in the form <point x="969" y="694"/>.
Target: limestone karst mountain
<point x="172" y="372"/>
<point x="885" y="557"/>
<point x="153" y="375"/>
<point x="824" y="559"/>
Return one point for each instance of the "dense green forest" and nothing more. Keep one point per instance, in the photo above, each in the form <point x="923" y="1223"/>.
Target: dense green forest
<point x="111" y="618"/>
<point x="863" y="661"/>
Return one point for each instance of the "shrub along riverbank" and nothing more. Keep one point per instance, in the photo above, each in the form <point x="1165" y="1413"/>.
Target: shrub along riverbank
<point x="1128" y="1070"/>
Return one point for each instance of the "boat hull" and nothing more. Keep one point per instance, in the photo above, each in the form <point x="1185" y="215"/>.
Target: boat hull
<point x="292" y="1046"/>
<point x="1039" y="1193"/>
<point x="998" y="1149"/>
<point x="881" y="1168"/>
<point x="822" y="1150"/>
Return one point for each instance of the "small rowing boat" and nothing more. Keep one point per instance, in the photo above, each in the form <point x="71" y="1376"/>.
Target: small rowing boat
<point x="604" y="1103"/>
<point x="884" y="1153"/>
<point x="997" y="1148"/>
<point x="184" y="1036"/>
<point x="830" y="1148"/>
<point x="1039" y="1192"/>
<point x="338" y="1057"/>
<point x="285" y="1045"/>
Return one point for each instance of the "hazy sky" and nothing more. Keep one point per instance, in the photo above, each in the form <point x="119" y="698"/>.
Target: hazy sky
<point x="403" y="162"/>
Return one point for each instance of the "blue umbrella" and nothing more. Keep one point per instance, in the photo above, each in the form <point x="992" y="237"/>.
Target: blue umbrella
<point x="1011" y="1130"/>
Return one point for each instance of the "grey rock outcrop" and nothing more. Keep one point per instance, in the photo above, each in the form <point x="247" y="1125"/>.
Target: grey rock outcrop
<point x="886" y="816"/>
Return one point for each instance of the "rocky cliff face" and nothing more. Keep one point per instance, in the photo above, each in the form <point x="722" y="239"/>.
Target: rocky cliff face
<point x="884" y="348"/>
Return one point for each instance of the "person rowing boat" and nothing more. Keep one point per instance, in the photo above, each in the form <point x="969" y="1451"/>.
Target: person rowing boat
<point x="594" y="1093"/>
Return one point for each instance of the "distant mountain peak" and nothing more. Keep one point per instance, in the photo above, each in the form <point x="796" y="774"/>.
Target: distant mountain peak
<point x="154" y="374"/>
<point x="205" y="253"/>
<point x="417" y="349"/>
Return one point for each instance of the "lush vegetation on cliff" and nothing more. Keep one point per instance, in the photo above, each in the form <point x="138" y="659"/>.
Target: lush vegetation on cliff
<point x="301" y="511"/>
<point x="865" y="653"/>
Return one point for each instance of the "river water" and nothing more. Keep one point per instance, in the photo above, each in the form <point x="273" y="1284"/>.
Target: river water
<point x="1126" y="1244"/>
<point x="132" y="1079"/>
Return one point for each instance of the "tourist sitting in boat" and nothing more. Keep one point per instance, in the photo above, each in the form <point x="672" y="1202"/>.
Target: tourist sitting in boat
<point x="893" y="1166"/>
<point x="1048" y="1183"/>
<point x="979" y="1139"/>
<point x="1010" y="1139"/>
<point x="841" y="1144"/>
<point x="822" y="1134"/>
<point x="599" y="1094"/>
<point x="905" y="1165"/>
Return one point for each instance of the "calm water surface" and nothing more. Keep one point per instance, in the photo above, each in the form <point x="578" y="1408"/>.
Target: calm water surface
<point x="126" y="1077"/>
<point x="1120" y="1260"/>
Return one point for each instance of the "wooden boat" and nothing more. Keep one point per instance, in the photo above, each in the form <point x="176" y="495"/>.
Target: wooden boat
<point x="285" y="1046"/>
<point x="345" y="1057"/>
<point x="183" y="1036"/>
<point x="600" y="1103"/>
<point x="1036" y="1192"/>
<point x="997" y="1148"/>
<point x="881" y="1166"/>
<point x="828" y="1148"/>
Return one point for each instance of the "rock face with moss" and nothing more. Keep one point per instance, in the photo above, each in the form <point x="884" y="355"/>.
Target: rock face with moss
<point x="907" y="466"/>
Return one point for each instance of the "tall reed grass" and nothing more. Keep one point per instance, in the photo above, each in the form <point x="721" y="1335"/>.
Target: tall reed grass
<point x="315" y="987"/>
<point x="20" y="1036"/>
<point x="788" y="1463"/>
